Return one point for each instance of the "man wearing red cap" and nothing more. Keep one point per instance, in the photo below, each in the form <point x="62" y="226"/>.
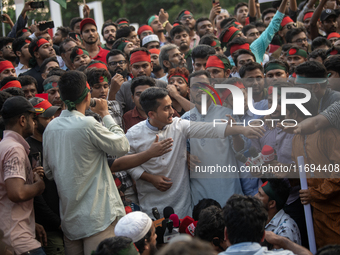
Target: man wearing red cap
<point x="109" y="34"/>
<point x="6" y="69"/>
<point x="89" y="34"/>
<point x="140" y="65"/>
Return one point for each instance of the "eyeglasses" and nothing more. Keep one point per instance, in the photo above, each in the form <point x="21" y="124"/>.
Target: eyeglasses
<point x="114" y="63"/>
<point x="300" y="40"/>
<point x="291" y="26"/>
<point x="8" y="47"/>
<point x="187" y="17"/>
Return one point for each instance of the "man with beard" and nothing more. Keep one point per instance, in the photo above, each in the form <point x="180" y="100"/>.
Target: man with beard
<point x="20" y="183"/>
<point x="158" y="28"/>
<point x="29" y="85"/>
<point x="60" y="35"/>
<point x="6" y="50"/>
<point x="20" y="49"/>
<point x="273" y="195"/>
<point x="40" y="49"/>
<point x="328" y="20"/>
<point x="180" y="37"/>
<point x="252" y="75"/>
<point x="139" y="227"/>
<point x="140" y="65"/>
<point x="171" y="57"/>
<point x="297" y="37"/>
<point x="89" y="34"/>
<point x="188" y="21"/>
<point x="46" y="206"/>
<point x="109" y="34"/>
<point x="203" y="27"/>
<point x="48" y="65"/>
<point x="65" y="50"/>
<point x="52" y="89"/>
<point x="157" y="70"/>
<point x="312" y="75"/>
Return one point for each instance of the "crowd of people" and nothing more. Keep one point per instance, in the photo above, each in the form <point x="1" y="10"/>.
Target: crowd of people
<point x="108" y="147"/>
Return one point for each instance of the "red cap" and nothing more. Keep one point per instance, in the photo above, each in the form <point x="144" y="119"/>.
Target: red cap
<point x="5" y="65"/>
<point x="285" y="21"/>
<point x="144" y="28"/>
<point x="308" y="15"/>
<point x="86" y="21"/>
<point x="332" y="35"/>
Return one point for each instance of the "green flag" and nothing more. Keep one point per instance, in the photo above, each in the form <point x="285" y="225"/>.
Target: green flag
<point x="62" y="3"/>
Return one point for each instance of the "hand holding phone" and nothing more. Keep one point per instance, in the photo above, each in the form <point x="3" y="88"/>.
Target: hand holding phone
<point x="37" y="5"/>
<point x="48" y="24"/>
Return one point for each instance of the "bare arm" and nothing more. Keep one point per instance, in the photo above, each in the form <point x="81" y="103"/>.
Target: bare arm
<point x="293" y="5"/>
<point x="19" y="191"/>
<point x="314" y="30"/>
<point x="309" y="125"/>
<point x="282" y="7"/>
<point x="252" y="8"/>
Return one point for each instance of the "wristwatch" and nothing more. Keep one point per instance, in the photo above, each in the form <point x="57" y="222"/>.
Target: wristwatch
<point x="164" y="24"/>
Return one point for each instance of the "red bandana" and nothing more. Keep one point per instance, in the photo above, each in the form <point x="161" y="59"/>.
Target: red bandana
<point x="177" y="75"/>
<point x="155" y="51"/>
<point x="229" y="34"/>
<point x="140" y="56"/>
<point x="285" y="21"/>
<point x="144" y="28"/>
<point x="332" y="35"/>
<point x="5" y="65"/>
<point x="98" y="65"/>
<point x="308" y="15"/>
<point x="11" y="84"/>
<point x="27" y="41"/>
<point x="214" y="61"/>
<point x="334" y="52"/>
<point x="88" y="86"/>
<point x="39" y="43"/>
<point x="236" y="47"/>
<point x="123" y="22"/>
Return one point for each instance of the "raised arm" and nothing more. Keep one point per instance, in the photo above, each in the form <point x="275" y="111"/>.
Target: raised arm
<point x="314" y="30"/>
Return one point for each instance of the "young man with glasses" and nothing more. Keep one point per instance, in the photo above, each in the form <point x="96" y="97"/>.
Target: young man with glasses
<point x="297" y="37"/>
<point x="6" y="50"/>
<point x="187" y="19"/>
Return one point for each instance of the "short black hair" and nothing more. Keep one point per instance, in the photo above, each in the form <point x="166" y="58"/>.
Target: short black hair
<point x="64" y="31"/>
<point x="202" y="51"/>
<point x="200" y="20"/>
<point x="178" y="29"/>
<point x="226" y="22"/>
<point x="74" y="21"/>
<point x="311" y="69"/>
<point x="119" y="41"/>
<point x="245" y="218"/>
<point x="322" y="53"/>
<point x="5" y="80"/>
<point x="266" y="11"/>
<point x="240" y="52"/>
<point x="259" y="24"/>
<point x="56" y="72"/>
<point x="27" y="80"/>
<point x="207" y="39"/>
<point x="140" y="244"/>
<point x="311" y="105"/>
<point x="239" y="5"/>
<point x="149" y="98"/>
<point x="287" y="46"/>
<point x="141" y="81"/>
<point x="18" y="43"/>
<point x="333" y="64"/>
<point x="294" y="32"/>
<point x="236" y="41"/>
<point x="3" y="97"/>
<point x="93" y="75"/>
<point x="5" y="40"/>
<point x="46" y="61"/>
<point x="319" y="41"/>
<point x="71" y="85"/>
<point x="332" y="249"/>
<point x="124" y="31"/>
<point x="198" y="73"/>
<point x="281" y="189"/>
<point x="202" y="204"/>
<point x="14" y="91"/>
<point x="115" y="52"/>
<point x="113" y="245"/>
<point x="246" y="28"/>
<point x="122" y="19"/>
<point x="250" y="67"/>
<point x="106" y="24"/>
<point x="210" y="224"/>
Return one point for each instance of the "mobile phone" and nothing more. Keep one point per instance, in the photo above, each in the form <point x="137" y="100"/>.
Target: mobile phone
<point x="2" y="18"/>
<point x="75" y="36"/>
<point x="48" y="24"/>
<point x="36" y="5"/>
<point x="214" y="2"/>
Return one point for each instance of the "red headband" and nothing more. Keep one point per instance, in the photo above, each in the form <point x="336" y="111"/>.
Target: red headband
<point x="140" y="56"/>
<point x="333" y="52"/>
<point x="334" y="34"/>
<point x="214" y="61"/>
<point x="27" y="41"/>
<point x="236" y="47"/>
<point x="237" y="23"/>
<point x="123" y="22"/>
<point x="40" y="42"/>
<point x="43" y="104"/>
<point x="229" y="33"/>
<point x="179" y="74"/>
<point x="155" y="51"/>
<point x="308" y="15"/>
<point x="5" y="65"/>
<point x="11" y="84"/>
<point x="144" y="28"/>
<point x="88" y="86"/>
<point x="227" y="92"/>
<point x="285" y="21"/>
<point x="98" y="65"/>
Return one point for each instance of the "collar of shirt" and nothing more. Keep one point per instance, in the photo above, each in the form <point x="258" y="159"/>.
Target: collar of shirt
<point x="135" y="113"/>
<point x="152" y="127"/>
<point x="9" y="134"/>
<point x="67" y="113"/>
<point x="276" y="219"/>
<point x="245" y="246"/>
<point x="20" y="66"/>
